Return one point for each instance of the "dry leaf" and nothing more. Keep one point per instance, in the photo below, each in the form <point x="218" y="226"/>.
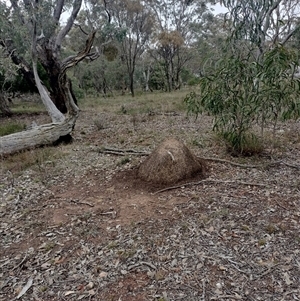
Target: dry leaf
<point x="69" y="293"/>
<point x="287" y="279"/>
<point x="103" y="275"/>
<point x="25" y="288"/>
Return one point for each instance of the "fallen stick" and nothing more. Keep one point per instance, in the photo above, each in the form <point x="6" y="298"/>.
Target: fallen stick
<point x="209" y="181"/>
<point x="124" y="152"/>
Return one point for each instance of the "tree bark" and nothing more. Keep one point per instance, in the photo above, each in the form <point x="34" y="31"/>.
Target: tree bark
<point x="131" y="78"/>
<point x="41" y="135"/>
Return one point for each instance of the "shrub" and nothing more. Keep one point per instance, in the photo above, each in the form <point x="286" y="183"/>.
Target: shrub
<point x="242" y="92"/>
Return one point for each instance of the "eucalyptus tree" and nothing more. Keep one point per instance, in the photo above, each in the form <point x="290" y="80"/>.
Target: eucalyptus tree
<point x="264" y="24"/>
<point x="8" y="72"/>
<point x="255" y="79"/>
<point x="210" y="36"/>
<point x="135" y="20"/>
<point x="32" y="32"/>
<point x="175" y="34"/>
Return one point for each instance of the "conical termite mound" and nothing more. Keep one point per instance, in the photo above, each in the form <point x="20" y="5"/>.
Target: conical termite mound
<point x="169" y="163"/>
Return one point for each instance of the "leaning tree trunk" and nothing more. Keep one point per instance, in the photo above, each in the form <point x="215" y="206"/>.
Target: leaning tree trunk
<point x="61" y="125"/>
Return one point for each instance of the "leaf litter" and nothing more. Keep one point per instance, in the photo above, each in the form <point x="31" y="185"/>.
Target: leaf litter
<point x="84" y="228"/>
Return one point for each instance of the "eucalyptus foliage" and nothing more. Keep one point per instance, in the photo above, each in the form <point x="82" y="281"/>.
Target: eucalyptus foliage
<point x="241" y="93"/>
<point x="254" y="82"/>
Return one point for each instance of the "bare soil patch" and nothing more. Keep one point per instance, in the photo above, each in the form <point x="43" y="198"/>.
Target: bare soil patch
<point x="82" y="226"/>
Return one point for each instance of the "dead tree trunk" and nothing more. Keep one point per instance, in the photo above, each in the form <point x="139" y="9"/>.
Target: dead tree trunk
<point x="61" y="125"/>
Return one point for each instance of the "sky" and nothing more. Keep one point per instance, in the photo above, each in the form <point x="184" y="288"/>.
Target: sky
<point x="219" y="9"/>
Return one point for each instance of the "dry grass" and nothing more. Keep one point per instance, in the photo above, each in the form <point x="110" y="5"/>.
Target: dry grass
<point x="30" y="105"/>
<point x="141" y="103"/>
<point x="37" y="159"/>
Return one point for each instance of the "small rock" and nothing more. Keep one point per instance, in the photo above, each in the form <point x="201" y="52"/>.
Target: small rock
<point x="103" y="275"/>
<point x="46" y="265"/>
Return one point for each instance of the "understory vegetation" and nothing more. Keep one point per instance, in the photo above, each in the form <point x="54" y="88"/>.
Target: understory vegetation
<point x="242" y="93"/>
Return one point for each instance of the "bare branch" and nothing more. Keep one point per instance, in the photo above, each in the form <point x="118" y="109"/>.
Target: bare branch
<point x="269" y="14"/>
<point x="233" y="182"/>
<point x="82" y="30"/>
<point x="58" y="10"/>
<point x="61" y="35"/>
<point x="290" y="34"/>
<point x="54" y="113"/>
<point x="75" y="59"/>
<point x="108" y="14"/>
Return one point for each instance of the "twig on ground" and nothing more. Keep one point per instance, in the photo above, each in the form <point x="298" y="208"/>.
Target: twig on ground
<point x="274" y="163"/>
<point x="236" y="297"/>
<point x="191" y="287"/>
<point x="291" y="165"/>
<point x="122" y="152"/>
<point x="289" y="293"/>
<point x="231" y="162"/>
<point x="149" y="264"/>
<point x="268" y="271"/>
<point x="20" y="264"/>
<point x="209" y="181"/>
<point x="203" y="289"/>
<point x="242" y="165"/>
<point x="82" y="203"/>
<point x="108" y="213"/>
<point x="281" y="206"/>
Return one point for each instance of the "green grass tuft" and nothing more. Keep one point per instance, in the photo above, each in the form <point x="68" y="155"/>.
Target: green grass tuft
<point x="10" y="128"/>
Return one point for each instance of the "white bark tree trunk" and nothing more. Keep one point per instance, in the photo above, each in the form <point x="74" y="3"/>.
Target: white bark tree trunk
<point x="61" y="125"/>
<point x="146" y="74"/>
<point x="41" y="135"/>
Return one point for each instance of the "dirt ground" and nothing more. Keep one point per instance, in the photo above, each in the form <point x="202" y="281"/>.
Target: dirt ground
<point x="77" y="223"/>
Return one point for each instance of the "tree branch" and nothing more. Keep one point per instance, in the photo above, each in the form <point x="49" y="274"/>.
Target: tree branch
<point x="290" y="34"/>
<point x="269" y="13"/>
<point x="61" y="35"/>
<point x="75" y="59"/>
<point x="208" y="181"/>
<point x="54" y="113"/>
<point x="107" y="11"/>
<point x="58" y="10"/>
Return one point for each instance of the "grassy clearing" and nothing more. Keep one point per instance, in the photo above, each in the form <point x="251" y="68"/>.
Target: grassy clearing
<point x="10" y="128"/>
<point x="28" y="108"/>
<point x="139" y="109"/>
<point x="120" y="104"/>
<point x="141" y="103"/>
<point x="37" y="158"/>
